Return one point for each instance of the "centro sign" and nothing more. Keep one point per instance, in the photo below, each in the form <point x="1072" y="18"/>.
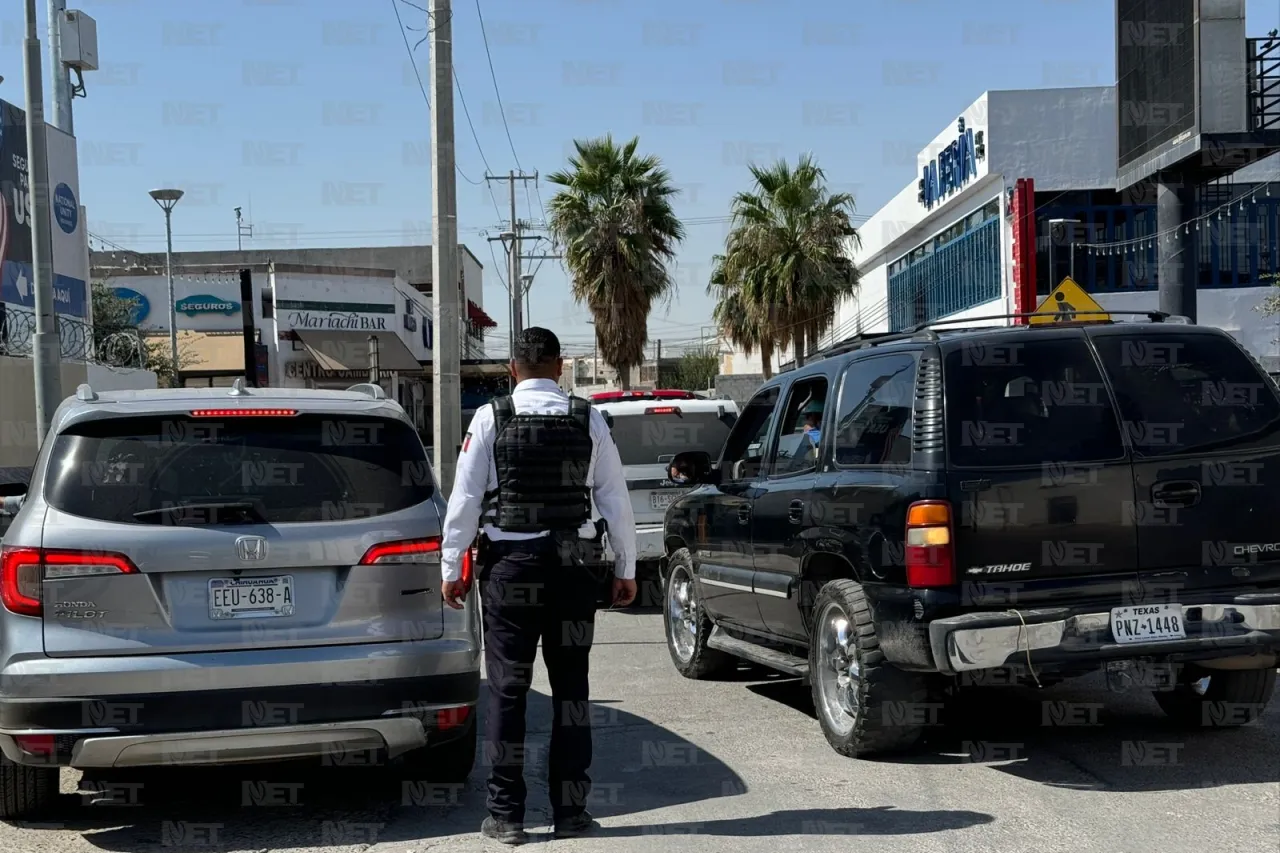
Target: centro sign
<point x="954" y="167"/>
<point x="336" y="320"/>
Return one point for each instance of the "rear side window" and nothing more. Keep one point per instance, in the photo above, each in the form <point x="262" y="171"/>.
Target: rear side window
<point x="874" y="427"/>
<point x="1190" y="393"/>
<point x="237" y="470"/>
<point x="1027" y="403"/>
<point x="667" y="429"/>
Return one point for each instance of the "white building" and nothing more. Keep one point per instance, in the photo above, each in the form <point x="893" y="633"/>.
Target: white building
<point x="945" y="249"/>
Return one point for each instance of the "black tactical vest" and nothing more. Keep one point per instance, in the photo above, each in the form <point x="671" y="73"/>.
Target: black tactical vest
<point x="542" y="463"/>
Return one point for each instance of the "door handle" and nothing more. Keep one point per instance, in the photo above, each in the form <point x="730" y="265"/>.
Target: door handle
<point x="795" y="512"/>
<point x="744" y="514"/>
<point x="1176" y="493"/>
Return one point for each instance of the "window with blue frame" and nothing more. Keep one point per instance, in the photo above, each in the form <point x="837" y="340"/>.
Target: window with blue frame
<point x="953" y="271"/>
<point x="1237" y="247"/>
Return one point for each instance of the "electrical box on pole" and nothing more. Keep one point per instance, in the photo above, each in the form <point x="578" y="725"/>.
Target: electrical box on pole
<point x="79" y="41"/>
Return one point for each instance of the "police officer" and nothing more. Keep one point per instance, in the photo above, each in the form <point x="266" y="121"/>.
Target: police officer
<point x="531" y="464"/>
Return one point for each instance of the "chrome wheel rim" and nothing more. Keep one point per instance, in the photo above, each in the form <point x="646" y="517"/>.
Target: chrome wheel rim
<point x="682" y="613"/>
<point x="839" y="675"/>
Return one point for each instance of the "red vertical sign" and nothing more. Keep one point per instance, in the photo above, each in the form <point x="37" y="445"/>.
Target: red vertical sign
<point x="1024" y="247"/>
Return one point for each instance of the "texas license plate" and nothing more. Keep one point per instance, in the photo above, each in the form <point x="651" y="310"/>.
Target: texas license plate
<point x="662" y="500"/>
<point x="1148" y="622"/>
<point x="250" y="598"/>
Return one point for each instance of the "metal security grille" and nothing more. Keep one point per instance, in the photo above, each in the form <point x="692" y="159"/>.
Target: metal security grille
<point x="955" y="276"/>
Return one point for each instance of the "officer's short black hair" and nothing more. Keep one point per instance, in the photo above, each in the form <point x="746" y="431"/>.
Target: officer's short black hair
<point x="536" y="347"/>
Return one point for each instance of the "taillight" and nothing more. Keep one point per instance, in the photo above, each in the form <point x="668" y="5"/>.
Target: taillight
<point x="243" y="413"/>
<point x="451" y="718"/>
<point x="468" y="561"/>
<point x="662" y="410"/>
<point x="930" y="556"/>
<point x="23" y="572"/>
<point x="402" y="551"/>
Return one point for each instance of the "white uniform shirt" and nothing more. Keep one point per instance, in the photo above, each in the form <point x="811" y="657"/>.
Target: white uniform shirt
<point x="477" y="474"/>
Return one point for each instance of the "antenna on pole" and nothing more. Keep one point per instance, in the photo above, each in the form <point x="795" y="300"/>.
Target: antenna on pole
<point x="242" y="230"/>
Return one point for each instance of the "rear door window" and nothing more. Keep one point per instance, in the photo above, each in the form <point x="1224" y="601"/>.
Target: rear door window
<point x="1027" y="403"/>
<point x="874" y="426"/>
<point x="305" y="468"/>
<point x="1189" y="393"/>
<point x="666" y="428"/>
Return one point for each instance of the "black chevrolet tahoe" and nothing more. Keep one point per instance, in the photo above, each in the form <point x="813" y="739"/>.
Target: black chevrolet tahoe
<point x="912" y="513"/>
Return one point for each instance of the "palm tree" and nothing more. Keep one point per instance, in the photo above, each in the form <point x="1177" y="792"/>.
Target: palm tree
<point x="615" y="222"/>
<point x="786" y="251"/>
<point x="737" y="316"/>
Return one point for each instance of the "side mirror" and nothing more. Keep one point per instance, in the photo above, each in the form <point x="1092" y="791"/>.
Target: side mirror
<point x="693" y="467"/>
<point x="12" y="503"/>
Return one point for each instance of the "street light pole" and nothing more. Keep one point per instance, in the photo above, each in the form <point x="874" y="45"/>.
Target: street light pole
<point x="46" y="348"/>
<point x="167" y="199"/>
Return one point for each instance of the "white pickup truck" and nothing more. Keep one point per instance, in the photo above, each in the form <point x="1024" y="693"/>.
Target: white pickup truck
<point x="650" y="428"/>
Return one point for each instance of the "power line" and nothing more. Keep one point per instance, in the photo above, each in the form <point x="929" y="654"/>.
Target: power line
<point x="395" y="7"/>
<point x="493" y="75"/>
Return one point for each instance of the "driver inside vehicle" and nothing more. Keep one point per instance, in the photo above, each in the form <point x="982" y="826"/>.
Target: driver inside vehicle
<point x="813" y="420"/>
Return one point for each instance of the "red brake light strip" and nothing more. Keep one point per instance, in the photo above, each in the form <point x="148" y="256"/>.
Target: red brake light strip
<point x="243" y="413"/>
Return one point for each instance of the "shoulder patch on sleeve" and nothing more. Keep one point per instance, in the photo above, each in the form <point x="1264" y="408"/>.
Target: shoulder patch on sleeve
<point x="466" y="442"/>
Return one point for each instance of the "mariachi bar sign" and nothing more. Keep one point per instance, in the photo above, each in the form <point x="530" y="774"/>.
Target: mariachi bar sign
<point x="336" y="321"/>
<point x="955" y="166"/>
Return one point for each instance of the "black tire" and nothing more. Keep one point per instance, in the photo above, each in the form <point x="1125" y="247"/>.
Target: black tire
<point x="451" y="761"/>
<point x="1233" y="698"/>
<point x="891" y="705"/>
<point x="703" y="662"/>
<point x="26" y="791"/>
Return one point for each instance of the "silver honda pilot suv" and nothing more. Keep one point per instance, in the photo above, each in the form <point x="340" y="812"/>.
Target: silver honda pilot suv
<point x="211" y="576"/>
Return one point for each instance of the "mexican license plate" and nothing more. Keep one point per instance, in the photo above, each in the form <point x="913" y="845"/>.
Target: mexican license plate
<point x="662" y="500"/>
<point x="250" y="598"/>
<point x="1148" y="622"/>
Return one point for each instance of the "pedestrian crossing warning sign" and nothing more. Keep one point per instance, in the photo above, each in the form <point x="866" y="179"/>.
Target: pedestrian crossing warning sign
<point x="1069" y="304"/>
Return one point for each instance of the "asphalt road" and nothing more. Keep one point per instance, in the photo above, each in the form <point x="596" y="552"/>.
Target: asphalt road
<point x="742" y="766"/>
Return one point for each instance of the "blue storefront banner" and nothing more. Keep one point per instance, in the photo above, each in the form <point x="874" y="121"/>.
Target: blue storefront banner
<point x="17" y="280"/>
<point x="18" y="287"/>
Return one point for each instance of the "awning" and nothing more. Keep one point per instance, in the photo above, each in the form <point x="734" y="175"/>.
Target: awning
<point x="206" y="352"/>
<point x="478" y="318"/>
<point x="348" y="350"/>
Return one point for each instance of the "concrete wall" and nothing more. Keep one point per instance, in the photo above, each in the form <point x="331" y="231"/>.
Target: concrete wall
<point x="1067" y="139"/>
<point x="17" y="389"/>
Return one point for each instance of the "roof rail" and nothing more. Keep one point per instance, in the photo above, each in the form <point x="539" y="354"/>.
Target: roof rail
<point x="370" y="390"/>
<point x="86" y="394"/>
<point x="925" y="331"/>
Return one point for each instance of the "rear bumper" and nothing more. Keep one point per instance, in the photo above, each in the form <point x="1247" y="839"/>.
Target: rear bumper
<point x="649" y="543"/>
<point x="983" y="641"/>
<point x="336" y="721"/>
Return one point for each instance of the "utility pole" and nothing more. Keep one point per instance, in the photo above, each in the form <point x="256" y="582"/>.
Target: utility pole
<point x="46" y="348"/>
<point x="515" y="235"/>
<point x="62" y="91"/>
<point x="657" y="365"/>
<point x="445" y="301"/>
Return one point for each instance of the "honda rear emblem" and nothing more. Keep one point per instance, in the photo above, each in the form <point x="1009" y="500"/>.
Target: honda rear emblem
<point x="251" y="548"/>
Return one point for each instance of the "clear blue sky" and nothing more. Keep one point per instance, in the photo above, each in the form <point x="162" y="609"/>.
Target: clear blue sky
<point x="273" y="104"/>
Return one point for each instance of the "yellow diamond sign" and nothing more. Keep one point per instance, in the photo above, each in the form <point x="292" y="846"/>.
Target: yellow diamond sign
<point x="1069" y="304"/>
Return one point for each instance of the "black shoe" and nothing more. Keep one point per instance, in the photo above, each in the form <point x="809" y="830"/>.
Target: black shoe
<point x="575" y="825"/>
<point x="503" y="832"/>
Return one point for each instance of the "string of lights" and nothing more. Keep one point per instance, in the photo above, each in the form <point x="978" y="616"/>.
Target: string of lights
<point x="1149" y="241"/>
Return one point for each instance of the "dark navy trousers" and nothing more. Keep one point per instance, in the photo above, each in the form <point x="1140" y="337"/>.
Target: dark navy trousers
<point x="529" y="594"/>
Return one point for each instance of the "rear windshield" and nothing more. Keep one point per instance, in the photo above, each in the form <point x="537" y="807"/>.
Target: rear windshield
<point x="644" y="439"/>
<point x="167" y="470"/>
<point x="1189" y="393"/>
